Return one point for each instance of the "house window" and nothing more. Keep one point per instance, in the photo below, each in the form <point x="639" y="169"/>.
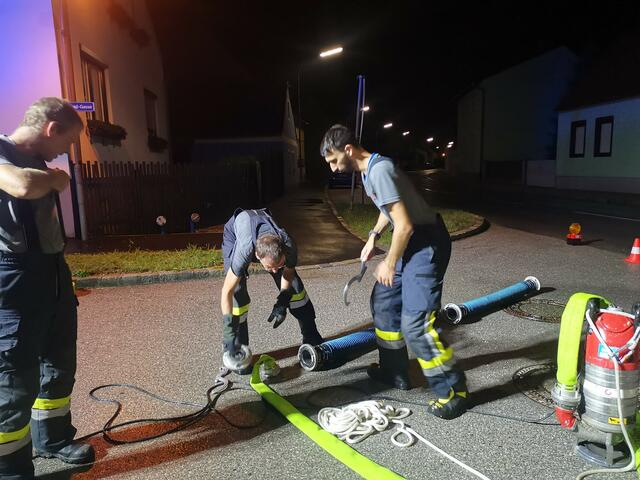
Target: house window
<point x="95" y="87"/>
<point x="604" y="137"/>
<point x="151" y="112"/>
<point x="578" y="133"/>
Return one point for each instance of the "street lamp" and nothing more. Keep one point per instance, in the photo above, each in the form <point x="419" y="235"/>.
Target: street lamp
<point x="387" y="125"/>
<point x="333" y="51"/>
<point x="430" y="139"/>
<point x="326" y="53"/>
<point x="404" y="134"/>
<point x="365" y="108"/>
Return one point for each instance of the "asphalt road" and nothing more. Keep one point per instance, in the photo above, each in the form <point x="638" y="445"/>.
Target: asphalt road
<point x="167" y="338"/>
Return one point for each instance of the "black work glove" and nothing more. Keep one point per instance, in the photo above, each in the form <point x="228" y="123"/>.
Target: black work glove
<point x="279" y="312"/>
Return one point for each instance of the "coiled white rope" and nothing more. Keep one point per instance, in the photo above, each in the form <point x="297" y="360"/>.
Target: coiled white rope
<point x="357" y="421"/>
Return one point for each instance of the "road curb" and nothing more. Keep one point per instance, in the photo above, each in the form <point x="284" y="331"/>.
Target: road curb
<point x="130" y="279"/>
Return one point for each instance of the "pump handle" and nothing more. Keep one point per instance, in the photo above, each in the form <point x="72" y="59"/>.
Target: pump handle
<point x="593" y="307"/>
<point x="635" y="311"/>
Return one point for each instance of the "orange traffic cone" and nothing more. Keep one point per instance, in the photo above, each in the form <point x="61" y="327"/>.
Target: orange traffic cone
<point x="635" y="252"/>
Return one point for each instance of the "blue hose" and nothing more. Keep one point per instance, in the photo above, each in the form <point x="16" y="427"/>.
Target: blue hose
<point x="336" y="352"/>
<point x="492" y="302"/>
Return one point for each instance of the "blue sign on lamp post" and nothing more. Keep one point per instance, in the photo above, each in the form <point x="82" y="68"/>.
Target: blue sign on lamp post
<point x="84" y="106"/>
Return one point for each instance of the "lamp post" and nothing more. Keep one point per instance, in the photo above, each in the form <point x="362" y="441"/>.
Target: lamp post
<point x="361" y="109"/>
<point x="323" y="54"/>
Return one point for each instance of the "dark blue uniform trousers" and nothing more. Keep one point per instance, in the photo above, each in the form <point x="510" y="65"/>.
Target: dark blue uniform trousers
<point x="237" y="332"/>
<point x="405" y="314"/>
<point x="38" y="330"/>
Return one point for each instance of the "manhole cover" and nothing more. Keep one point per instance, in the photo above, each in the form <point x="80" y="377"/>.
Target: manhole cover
<point x="538" y="309"/>
<point x="536" y="381"/>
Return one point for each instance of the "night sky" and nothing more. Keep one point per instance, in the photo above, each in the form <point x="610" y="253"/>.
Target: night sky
<point x="227" y="62"/>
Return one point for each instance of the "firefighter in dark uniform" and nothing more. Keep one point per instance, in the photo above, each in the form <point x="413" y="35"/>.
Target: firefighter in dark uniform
<point x="406" y="297"/>
<point x="38" y="318"/>
<point x="253" y="236"/>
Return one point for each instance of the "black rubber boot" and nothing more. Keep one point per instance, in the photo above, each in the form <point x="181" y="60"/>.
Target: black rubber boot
<point x="17" y="465"/>
<point x="393" y="368"/>
<point x="75" y="453"/>
<point x="451" y="407"/>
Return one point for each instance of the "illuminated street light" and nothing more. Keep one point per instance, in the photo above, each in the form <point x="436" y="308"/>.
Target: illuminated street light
<point x="387" y="125"/>
<point x="430" y="139"/>
<point x="365" y="108"/>
<point x="404" y="134"/>
<point x="300" y="122"/>
<point x="333" y="51"/>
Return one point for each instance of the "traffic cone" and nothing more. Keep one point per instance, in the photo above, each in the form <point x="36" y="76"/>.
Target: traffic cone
<point x="635" y="252"/>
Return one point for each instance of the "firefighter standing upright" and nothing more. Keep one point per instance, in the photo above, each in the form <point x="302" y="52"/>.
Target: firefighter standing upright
<point x="38" y="317"/>
<point x="406" y="297"/>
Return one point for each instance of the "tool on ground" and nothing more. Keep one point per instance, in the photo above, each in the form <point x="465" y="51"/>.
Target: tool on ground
<point x="601" y="407"/>
<point x="490" y="303"/>
<point x="336" y="352"/>
<point x="356" y="278"/>
<point x="240" y="361"/>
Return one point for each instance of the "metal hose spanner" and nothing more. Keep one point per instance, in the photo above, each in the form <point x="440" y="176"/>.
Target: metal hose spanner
<point x="356" y="278"/>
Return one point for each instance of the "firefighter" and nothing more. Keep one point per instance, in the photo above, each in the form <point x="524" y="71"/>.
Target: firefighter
<point x="38" y="317"/>
<point x="253" y="236"/>
<point x="406" y="297"/>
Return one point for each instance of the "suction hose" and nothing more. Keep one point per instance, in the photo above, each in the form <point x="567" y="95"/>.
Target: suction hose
<point x="489" y="303"/>
<point x="336" y="352"/>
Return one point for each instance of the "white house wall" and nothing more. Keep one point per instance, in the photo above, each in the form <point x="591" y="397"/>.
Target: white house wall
<point x="130" y="69"/>
<point x="618" y="173"/>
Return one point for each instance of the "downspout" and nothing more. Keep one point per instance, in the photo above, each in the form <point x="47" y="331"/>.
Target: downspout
<point x="69" y="92"/>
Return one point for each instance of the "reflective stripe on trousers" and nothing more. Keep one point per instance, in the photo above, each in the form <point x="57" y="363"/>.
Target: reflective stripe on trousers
<point x="44" y="408"/>
<point x="11" y="442"/>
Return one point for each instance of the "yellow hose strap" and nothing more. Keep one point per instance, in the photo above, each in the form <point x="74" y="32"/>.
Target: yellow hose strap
<point x="339" y="450"/>
<point x="570" y="335"/>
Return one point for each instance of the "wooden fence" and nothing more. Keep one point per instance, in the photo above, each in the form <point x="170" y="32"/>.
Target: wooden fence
<point x="126" y="198"/>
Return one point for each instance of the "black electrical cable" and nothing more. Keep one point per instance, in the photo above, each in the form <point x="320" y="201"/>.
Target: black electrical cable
<point x="184" y="420"/>
<point x="212" y="399"/>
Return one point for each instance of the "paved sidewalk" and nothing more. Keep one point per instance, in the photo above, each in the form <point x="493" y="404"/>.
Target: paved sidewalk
<point x="319" y="235"/>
